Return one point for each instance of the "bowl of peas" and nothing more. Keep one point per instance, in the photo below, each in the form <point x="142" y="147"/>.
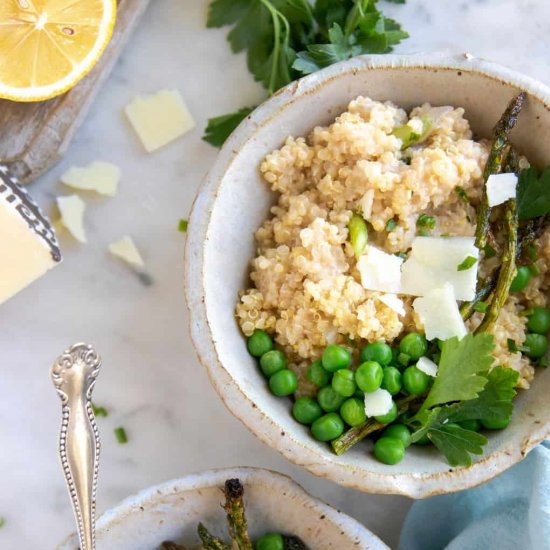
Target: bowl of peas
<point x="247" y="508"/>
<point x="415" y="414"/>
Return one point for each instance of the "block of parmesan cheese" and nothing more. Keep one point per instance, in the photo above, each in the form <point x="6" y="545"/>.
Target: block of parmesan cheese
<point x="160" y="118"/>
<point x="28" y="246"/>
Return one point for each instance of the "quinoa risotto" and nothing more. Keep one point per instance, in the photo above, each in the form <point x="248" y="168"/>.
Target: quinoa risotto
<point x="404" y="178"/>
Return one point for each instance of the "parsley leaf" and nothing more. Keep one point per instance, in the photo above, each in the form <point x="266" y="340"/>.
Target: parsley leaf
<point x="396" y="1"/>
<point x="225" y="12"/>
<point x="457" y="443"/>
<point x="468" y="263"/>
<point x="463" y="362"/>
<point x="533" y="193"/>
<point x="219" y="128"/>
<point x="183" y="225"/>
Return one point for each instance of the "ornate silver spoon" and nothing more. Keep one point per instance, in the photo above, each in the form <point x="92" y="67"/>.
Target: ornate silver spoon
<point x="74" y="374"/>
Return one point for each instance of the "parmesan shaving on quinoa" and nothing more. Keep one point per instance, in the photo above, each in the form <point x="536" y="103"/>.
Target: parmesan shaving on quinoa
<point x="380" y="270"/>
<point x="393" y="302"/>
<point x="427" y="366"/>
<point x="500" y="188"/>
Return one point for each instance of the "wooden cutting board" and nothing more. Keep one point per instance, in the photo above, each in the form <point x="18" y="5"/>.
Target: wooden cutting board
<point x="34" y="136"/>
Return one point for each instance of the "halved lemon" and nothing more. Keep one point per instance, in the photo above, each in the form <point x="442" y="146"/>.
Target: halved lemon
<point x="47" y="46"/>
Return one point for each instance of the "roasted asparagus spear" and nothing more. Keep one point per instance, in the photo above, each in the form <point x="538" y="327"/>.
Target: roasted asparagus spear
<point x="236" y="517"/>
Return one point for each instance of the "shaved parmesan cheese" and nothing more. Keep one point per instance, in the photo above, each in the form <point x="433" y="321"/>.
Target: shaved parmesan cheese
<point x="393" y="302"/>
<point x="101" y="177"/>
<point x="500" y="188"/>
<point x="433" y="261"/>
<point x="72" y="209"/>
<point x="427" y="366"/>
<point x="160" y="118"/>
<point x="439" y="313"/>
<point x="126" y="250"/>
<point x="366" y="204"/>
<point x="378" y="403"/>
<point x="380" y="271"/>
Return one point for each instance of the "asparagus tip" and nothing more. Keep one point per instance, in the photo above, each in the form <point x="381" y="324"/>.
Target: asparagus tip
<point x="234" y="489"/>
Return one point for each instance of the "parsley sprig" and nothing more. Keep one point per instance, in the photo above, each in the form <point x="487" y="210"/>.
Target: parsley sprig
<point x="286" y="39"/>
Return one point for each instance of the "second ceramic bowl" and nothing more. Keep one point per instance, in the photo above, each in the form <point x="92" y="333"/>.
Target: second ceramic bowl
<point x="234" y="201"/>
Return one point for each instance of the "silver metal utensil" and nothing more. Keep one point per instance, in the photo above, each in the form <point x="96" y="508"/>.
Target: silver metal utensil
<point x="74" y="374"/>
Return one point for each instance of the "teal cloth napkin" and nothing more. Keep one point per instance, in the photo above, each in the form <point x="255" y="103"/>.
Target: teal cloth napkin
<point x="511" y="512"/>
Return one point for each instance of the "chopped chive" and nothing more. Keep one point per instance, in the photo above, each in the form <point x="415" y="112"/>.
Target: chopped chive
<point x="468" y="219"/>
<point x="99" y="411"/>
<point x="527" y="312"/>
<point x="468" y="263"/>
<point x="403" y="359"/>
<point x="2" y="522"/>
<point x="402" y="255"/>
<point x="543" y="362"/>
<point x="462" y="194"/>
<point x="424" y="220"/>
<point x="121" y="437"/>
<point x="489" y="251"/>
<point x="182" y="225"/>
<point x="391" y="225"/>
<point x="481" y="307"/>
<point x="512" y="346"/>
<point x="534" y="270"/>
<point x="445" y="235"/>
<point x="423" y="232"/>
<point x="531" y="251"/>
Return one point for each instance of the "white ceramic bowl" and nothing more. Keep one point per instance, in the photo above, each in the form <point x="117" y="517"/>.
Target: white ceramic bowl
<point x="274" y="503"/>
<point x="234" y="201"/>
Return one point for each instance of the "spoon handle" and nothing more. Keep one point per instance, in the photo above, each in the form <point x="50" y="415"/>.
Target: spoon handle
<point x="74" y="374"/>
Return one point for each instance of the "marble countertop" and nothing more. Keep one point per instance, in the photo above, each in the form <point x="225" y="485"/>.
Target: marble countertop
<point x="151" y="382"/>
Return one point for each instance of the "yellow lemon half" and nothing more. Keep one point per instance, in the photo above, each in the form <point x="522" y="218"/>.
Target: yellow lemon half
<point x="47" y="46"/>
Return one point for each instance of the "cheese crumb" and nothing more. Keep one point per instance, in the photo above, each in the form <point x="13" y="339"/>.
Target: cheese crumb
<point x="160" y="118"/>
<point x="433" y="262"/>
<point x="439" y="313"/>
<point x="126" y="250"/>
<point x="380" y="271"/>
<point x="427" y="366"/>
<point x="72" y="210"/>
<point x="393" y="302"/>
<point x="500" y="188"/>
<point x="99" y="176"/>
<point x="378" y="403"/>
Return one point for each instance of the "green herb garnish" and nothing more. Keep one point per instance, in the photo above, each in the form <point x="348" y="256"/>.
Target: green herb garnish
<point x="533" y="193"/>
<point x="425" y="220"/>
<point x="99" y="411"/>
<point x="2" y="522"/>
<point x="285" y="39"/>
<point x="121" y="437"/>
<point x="183" y="225"/>
<point x="468" y="263"/>
<point x="512" y="346"/>
<point x="462" y="194"/>
<point x="489" y="251"/>
<point x="391" y="225"/>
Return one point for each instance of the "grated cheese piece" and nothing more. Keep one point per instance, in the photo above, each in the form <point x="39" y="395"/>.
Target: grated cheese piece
<point x="427" y="366"/>
<point x="439" y="313"/>
<point x="500" y="188"/>
<point x="380" y="271"/>
<point x="434" y="261"/>
<point x="126" y="250"/>
<point x="160" y="118"/>
<point x="72" y="210"/>
<point x="99" y="176"/>
<point x="378" y="403"/>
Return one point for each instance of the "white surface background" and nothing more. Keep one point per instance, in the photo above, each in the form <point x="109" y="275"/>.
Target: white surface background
<point x="151" y="382"/>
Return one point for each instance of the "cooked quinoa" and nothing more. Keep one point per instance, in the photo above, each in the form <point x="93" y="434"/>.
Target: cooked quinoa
<point x="306" y="289"/>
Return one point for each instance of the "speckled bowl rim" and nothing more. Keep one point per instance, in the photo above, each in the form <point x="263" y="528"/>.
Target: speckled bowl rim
<point x="414" y="485"/>
<point x="249" y="476"/>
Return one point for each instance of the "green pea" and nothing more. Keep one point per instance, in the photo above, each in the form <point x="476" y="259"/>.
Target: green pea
<point x="259" y="343"/>
<point x="539" y="320"/>
<point x="415" y="381"/>
<point x="535" y="345"/>
<point x="272" y="361"/>
<point x="369" y="376"/>
<point x="378" y="351"/>
<point x="496" y="424"/>
<point x="414" y="345"/>
<point x="335" y="358"/>
<point x="328" y="427"/>
<point x="318" y="375"/>
<point x="330" y="400"/>
<point x="472" y="425"/>
<point x="392" y="380"/>
<point x="283" y="383"/>
<point x="521" y="280"/>
<point x="398" y="431"/>
<point x="389" y="417"/>
<point x="270" y="541"/>
<point x="343" y="382"/>
<point x="306" y="410"/>
<point x="358" y="234"/>
<point x="353" y="411"/>
<point x="389" y="450"/>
